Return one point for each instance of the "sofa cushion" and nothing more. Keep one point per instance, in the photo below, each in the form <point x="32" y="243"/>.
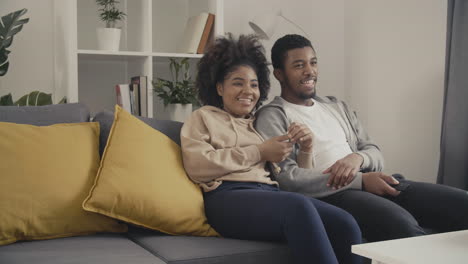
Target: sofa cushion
<point x="142" y="181"/>
<point x="44" y="115"/>
<point x="167" y="127"/>
<point x="206" y="250"/>
<point x="46" y="173"/>
<point x="93" y="249"/>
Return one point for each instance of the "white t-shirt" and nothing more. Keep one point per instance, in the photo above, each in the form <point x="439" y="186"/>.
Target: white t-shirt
<point x="329" y="143"/>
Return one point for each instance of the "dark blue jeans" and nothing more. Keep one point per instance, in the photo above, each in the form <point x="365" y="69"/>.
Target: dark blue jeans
<point x="433" y="206"/>
<point x="315" y="232"/>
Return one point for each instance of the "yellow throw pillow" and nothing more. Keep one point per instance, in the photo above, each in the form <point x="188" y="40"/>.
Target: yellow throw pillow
<point x="142" y="181"/>
<point x="45" y="174"/>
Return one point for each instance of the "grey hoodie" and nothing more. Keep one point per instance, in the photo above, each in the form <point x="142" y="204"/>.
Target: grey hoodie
<point x="272" y="121"/>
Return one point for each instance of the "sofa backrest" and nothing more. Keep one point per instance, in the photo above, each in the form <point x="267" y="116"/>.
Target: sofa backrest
<point x="76" y="113"/>
<point x="44" y="115"/>
<point x="167" y="127"/>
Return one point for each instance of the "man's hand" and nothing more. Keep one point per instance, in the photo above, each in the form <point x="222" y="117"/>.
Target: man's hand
<point x="343" y="170"/>
<point x="301" y="134"/>
<point x="378" y="183"/>
<point x="275" y="149"/>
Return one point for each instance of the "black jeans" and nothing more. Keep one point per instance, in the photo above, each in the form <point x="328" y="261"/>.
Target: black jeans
<point x="434" y="206"/>
<point x="315" y="231"/>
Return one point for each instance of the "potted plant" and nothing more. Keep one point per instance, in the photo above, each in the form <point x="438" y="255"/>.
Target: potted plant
<point x="178" y="94"/>
<point x="10" y="26"/>
<point x="109" y="37"/>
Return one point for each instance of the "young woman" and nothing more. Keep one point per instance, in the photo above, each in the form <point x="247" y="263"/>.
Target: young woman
<point x="224" y="154"/>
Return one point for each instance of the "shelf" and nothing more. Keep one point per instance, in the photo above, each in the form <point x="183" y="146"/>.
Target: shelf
<point x="111" y="55"/>
<point x="178" y="55"/>
<point x="150" y="36"/>
<point x="122" y="55"/>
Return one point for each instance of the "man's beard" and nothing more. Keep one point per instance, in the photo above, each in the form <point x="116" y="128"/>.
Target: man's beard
<point x="306" y="96"/>
<point x="303" y="95"/>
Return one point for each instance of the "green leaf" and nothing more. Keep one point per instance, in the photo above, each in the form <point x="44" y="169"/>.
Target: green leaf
<point x="63" y="101"/>
<point x="34" y="98"/>
<point x="4" y="67"/>
<point x="10" y="25"/>
<point x="6" y="100"/>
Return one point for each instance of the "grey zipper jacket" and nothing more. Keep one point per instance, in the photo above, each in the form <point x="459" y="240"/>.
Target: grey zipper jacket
<point x="272" y="121"/>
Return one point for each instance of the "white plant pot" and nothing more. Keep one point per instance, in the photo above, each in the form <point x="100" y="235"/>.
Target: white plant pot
<point x="108" y="38"/>
<point x="179" y="112"/>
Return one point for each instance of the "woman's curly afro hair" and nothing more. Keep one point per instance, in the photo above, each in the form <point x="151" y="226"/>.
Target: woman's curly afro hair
<point x="224" y="57"/>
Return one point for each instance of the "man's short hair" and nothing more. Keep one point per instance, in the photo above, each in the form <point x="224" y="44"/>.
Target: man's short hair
<point x="283" y="45"/>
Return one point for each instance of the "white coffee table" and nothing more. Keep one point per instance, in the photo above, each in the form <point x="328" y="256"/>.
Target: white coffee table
<point x="445" y="248"/>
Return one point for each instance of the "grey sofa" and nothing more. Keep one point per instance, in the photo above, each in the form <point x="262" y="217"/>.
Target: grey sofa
<point x="137" y="246"/>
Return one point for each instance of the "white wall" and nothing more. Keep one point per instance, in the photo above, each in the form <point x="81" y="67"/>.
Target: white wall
<point x="395" y="62"/>
<point x="32" y="52"/>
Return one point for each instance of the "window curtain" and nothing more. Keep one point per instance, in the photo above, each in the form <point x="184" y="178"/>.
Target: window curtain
<point x="453" y="165"/>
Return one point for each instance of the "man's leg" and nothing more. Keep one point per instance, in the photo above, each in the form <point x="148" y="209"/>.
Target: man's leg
<point x="435" y="206"/>
<point x="379" y="218"/>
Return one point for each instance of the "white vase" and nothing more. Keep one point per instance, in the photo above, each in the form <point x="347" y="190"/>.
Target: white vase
<point x="179" y="112"/>
<point x="108" y="38"/>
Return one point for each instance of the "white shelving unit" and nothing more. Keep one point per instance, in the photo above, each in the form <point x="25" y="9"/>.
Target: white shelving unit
<point x="150" y="36"/>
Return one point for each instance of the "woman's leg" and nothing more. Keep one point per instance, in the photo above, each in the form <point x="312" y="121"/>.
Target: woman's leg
<point x="265" y="214"/>
<point x="342" y="229"/>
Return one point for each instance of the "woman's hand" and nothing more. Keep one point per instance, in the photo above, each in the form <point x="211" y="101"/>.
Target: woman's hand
<point x="275" y="149"/>
<point x="301" y="134"/>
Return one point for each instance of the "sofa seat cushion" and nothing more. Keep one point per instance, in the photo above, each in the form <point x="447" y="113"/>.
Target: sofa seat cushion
<point x="206" y="250"/>
<point x="94" y="249"/>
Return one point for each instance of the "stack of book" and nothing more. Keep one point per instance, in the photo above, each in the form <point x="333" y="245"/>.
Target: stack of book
<point x="197" y="33"/>
<point x="133" y="97"/>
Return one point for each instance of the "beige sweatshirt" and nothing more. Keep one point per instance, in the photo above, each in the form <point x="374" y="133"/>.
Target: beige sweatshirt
<point x="217" y="146"/>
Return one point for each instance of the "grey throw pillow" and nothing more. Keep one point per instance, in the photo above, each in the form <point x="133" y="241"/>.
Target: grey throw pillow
<point x="44" y="115"/>
<point x="167" y="127"/>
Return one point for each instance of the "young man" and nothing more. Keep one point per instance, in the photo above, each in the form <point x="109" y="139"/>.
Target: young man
<point x="346" y="164"/>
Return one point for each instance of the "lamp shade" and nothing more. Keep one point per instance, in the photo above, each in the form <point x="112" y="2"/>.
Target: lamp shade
<point x="265" y="25"/>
